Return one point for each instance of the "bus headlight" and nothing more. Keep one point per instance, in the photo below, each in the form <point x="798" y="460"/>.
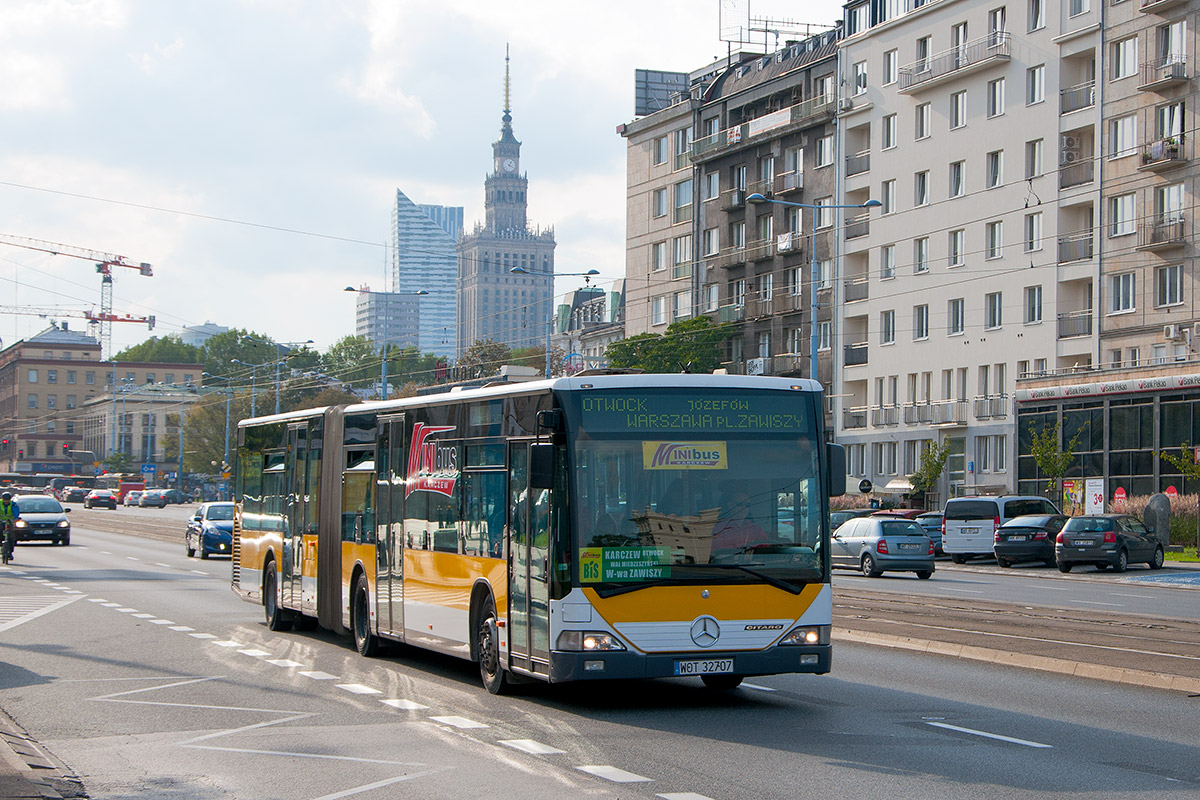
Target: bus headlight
<point x="588" y="641"/>
<point x="807" y="635"/>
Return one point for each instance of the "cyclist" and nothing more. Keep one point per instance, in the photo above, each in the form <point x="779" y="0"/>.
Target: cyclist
<point x="9" y="513"/>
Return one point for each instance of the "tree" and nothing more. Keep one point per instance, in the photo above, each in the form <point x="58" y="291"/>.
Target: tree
<point x="204" y="429"/>
<point x="933" y="464"/>
<point x="482" y="359"/>
<point x="117" y="462"/>
<point x="536" y="357"/>
<point x="1187" y="464"/>
<point x="691" y="345"/>
<point x="352" y="360"/>
<point x="169" y="349"/>
<point x="1052" y="460"/>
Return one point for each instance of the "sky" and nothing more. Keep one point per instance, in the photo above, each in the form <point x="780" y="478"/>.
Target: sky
<point x="250" y="150"/>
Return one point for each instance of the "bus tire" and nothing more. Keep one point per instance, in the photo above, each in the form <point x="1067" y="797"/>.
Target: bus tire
<point x="365" y="642"/>
<point x="487" y="646"/>
<point x="722" y="683"/>
<point x="277" y="619"/>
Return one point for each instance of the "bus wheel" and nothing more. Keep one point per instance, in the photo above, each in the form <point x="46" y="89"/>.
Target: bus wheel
<point x="276" y="618"/>
<point x="365" y="642"/>
<point x="722" y="683"/>
<point x="495" y="679"/>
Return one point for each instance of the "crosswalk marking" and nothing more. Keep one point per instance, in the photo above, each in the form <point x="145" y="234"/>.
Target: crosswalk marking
<point x="17" y="610"/>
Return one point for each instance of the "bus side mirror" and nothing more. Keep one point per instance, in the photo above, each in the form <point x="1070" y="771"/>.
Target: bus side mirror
<point x="541" y="466"/>
<point x="836" y="456"/>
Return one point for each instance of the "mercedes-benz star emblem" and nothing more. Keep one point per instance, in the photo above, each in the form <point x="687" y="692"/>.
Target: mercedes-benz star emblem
<point x="705" y="631"/>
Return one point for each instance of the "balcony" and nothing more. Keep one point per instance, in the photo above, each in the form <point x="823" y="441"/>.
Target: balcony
<point x="765" y="187"/>
<point x="786" y="303"/>
<point x="856" y="289"/>
<point x="683" y="160"/>
<point x="774" y="124"/>
<point x="1075" y="247"/>
<point x="992" y="406"/>
<point x="733" y="198"/>
<point x="788" y="244"/>
<point x="970" y="57"/>
<point x="1076" y="98"/>
<point x="885" y="416"/>
<point x="1160" y="155"/>
<point x="1163" y="73"/>
<point x="731" y="313"/>
<point x="858" y="163"/>
<point x="1074" y="323"/>
<point x="789" y="364"/>
<point x="789" y="182"/>
<point x="854" y="418"/>
<point x="948" y="412"/>
<point x="683" y="214"/>
<point x="760" y="249"/>
<point x="1076" y="174"/>
<point x="1162" y="234"/>
<point x="918" y="414"/>
<point x="759" y="307"/>
<point x="1159" y="6"/>
<point x="858" y="226"/>
<point x="729" y="258"/>
<point x="855" y="354"/>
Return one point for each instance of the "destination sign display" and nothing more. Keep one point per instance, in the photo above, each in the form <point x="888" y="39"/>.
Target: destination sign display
<point x="613" y="412"/>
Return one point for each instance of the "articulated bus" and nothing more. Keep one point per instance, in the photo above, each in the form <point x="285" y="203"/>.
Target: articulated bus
<point x="598" y="526"/>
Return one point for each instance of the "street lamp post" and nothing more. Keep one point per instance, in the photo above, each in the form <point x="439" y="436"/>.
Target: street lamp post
<point x="228" y="391"/>
<point x="253" y="376"/>
<point x="587" y="276"/>
<point x="812" y="266"/>
<point x="383" y="344"/>
<point x="278" y="360"/>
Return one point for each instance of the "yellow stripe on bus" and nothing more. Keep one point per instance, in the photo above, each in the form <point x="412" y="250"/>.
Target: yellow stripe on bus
<point x="668" y="603"/>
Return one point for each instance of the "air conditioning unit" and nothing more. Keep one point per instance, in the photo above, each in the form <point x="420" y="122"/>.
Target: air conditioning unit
<point x="1071" y="142"/>
<point x="1070" y="156"/>
<point x="1196" y="331"/>
<point x="845" y="104"/>
<point x="1170" y="331"/>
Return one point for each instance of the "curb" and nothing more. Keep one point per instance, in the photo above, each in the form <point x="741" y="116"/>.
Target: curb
<point x="24" y="763"/>
<point x="1061" y="666"/>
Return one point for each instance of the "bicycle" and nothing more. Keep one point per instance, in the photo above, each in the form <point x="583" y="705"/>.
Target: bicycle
<point x="6" y="546"/>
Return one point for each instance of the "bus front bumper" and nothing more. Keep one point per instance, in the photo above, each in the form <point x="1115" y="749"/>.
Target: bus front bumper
<point x="570" y="666"/>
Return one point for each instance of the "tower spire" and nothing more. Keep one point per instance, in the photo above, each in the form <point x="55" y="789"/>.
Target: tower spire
<point x="507" y="85"/>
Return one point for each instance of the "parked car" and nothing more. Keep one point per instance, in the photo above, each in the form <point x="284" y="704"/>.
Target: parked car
<point x="931" y="521"/>
<point x="969" y="523"/>
<point x="176" y="496"/>
<point x="1105" y="540"/>
<point x="1027" y="538"/>
<point x="132" y="498"/>
<point x="100" y="498"/>
<point x="210" y="530"/>
<point x="878" y="544"/>
<point x="152" y="498"/>
<point x="42" y="517"/>
<point x="838" y="518"/>
<point x="74" y="494"/>
<point x="904" y="513"/>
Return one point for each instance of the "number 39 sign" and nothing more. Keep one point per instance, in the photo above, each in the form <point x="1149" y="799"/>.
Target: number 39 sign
<point x="1094" y="494"/>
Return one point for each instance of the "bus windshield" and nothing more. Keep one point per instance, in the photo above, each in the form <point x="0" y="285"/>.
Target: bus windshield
<point x="687" y="495"/>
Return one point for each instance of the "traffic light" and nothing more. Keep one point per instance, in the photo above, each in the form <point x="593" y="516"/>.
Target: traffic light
<point x="66" y="449"/>
<point x="20" y="454"/>
<point x="4" y="444"/>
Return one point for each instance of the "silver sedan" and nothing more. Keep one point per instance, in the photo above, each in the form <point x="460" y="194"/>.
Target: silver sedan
<point x="882" y="544"/>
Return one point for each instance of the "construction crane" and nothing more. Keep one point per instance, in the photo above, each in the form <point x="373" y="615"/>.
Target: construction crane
<point x="95" y="319"/>
<point x="104" y="265"/>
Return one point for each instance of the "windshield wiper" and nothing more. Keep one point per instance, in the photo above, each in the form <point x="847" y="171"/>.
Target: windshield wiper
<point x="778" y="584"/>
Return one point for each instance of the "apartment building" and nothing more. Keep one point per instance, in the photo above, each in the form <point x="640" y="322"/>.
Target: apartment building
<point x="975" y="126"/>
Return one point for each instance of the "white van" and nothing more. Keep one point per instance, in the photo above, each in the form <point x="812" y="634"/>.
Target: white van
<point x="969" y="523"/>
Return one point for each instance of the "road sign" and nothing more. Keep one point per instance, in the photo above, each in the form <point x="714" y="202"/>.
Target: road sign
<point x="149" y="469"/>
<point x="95" y="470"/>
<point x="864" y="486"/>
<point x="170" y="476"/>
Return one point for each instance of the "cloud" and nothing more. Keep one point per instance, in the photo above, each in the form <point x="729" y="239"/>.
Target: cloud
<point x="149" y="62"/>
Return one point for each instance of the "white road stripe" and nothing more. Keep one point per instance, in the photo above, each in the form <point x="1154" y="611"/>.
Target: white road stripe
<point x="1098" y="603"/>
<point x="358" y="688"/>
<point x="97" y="600"/>
<point x="317" y="675"/>
<point x="987" y="735"/>
<point x="110" y="605"/>
<point x="530" y="746"/>
<point x="72" y="591"/>
<point x="255" y="653"/>
<point x="613" y="774"/>
<point x="182" y="628"/>
<point x="284" y="662"/>
<point x="683" y="796"/>
<point x="133" y="558"/>
<point x="458" y="722"/>
<point x="161" y="622"/>
<point x="199" y="572"/>
<point x="202" y="635"/>
<point x="756" y="686"/>
<point x="127" y="610"/>
<point x="229" y="643"/>
<point x="106" y="552"/>
<point x="1139" y="596"/>
<point x="403" y="705"/>
<point x="161" y="565"/>
<point x="142" y="615"/>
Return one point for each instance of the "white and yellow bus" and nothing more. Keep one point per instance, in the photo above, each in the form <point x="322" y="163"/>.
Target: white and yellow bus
<point x="597" y="526"/>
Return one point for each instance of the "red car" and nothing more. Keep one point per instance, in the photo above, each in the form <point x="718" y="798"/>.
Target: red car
<point x="100" y="498"/>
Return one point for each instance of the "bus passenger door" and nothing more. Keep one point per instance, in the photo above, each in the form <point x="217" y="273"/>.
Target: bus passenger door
<point x="394" y="542"/>
<point x="383" y="501"/>
<point x="528" y="564"/>
<point x="291" y="559"/>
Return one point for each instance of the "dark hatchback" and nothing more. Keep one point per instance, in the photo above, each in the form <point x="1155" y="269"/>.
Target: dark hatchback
<point x="1107" y="540"/>
<point x="1027" y="538"/>
<point x="100" y="498"/>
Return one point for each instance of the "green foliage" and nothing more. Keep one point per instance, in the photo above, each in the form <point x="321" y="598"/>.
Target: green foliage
<point x="352" y="360"/>
<point x="692" y="345"/>
<point x="118" y="462"/>
<point x="169" y="349"/>
<point x="1053" y="461"/>
<point x="933" y="464"/>
<point x="483" y="358"/>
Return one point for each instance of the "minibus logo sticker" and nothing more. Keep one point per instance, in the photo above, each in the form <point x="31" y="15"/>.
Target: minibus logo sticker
<point x="432" y="465"/>
<point x="684" y="455"/>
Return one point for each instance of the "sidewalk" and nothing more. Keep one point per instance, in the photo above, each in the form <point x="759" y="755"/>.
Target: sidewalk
<point x="27" y="771"/>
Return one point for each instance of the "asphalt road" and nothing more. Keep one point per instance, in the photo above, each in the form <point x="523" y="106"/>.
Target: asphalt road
<point x="140" y="669"/>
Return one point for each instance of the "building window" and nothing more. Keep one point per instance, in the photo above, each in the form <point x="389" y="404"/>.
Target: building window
<point x="958" y="178"/>
<point x="71" y="376"/>
<point x="712" y="241"/>
<point x="1168" y="283"/>
<point x="1122" y="297"/>
<point x="825" y="151"/>
<point x="824" y="335"/>
<point x="1037" y="15"/>
<point x="920" y="322"/>
<point x="1124" y="58"/>
<point x="1077" y="7"/>
<point x="921" y="188"/>
<point x="1122" y="136"/>
<point x="658" y="311"/>
<point x="995" y="97"/>
<point x="994" y="239"/>
<point x="995" y="168"/>
<point x="712" y="296"/>
<point x="738" y="176"/>
<point x="958" y="109"/>
<point x="31" y="376"/>
<point x="712" y="185"/>
<point x="1123" y="213"/>
<point x="887" y="261"/>
<point x="923" y="126"/>
<point x="994" y="309"/>
<point x="1033" y="159"/>
<point x="51" y="401"/>
<point x="795" y="220"/>
<point x="31" y="401"/>
<point x="887" y="327"/>
<point x="860" y="77"/>
<point x="51" y="376"/>
<point x="924" y="50"/>
<point x="658" y="203"/>
<point x="1033" y="232"/>
<point x="823" y="213"/>
<point x="954" y="316"/>
<point x="660" y="150"/>
<point x="1035" y="85"/>
<point x="70" y="401"/>
<point x="825" y="273"/>
<point x="682" y="251"/>
<point x="658" y="256"/>
<point x="70" y="427"/>
<point x="738" y="290"/>
<point x="856" y="460"/>
<point x="888" y="132"/>
<point x="683" y="305"/>
<point x="89" y="378"/>
<point x="738" y="235"/>
<point x="920" y="255"/>
<point x="766" y="287"/>
<point x="887" y="197"/>
<point x="890" y="61"/>
<point x="1033" y="305"/>
<point x="957" y="247"/>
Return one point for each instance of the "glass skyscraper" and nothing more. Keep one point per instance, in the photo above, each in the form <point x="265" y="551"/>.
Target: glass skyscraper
<point x="424" y="258"/>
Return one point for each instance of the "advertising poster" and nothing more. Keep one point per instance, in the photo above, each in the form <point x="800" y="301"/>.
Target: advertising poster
<point x="1073" y="494"/>
<point x="1095" y="496"/>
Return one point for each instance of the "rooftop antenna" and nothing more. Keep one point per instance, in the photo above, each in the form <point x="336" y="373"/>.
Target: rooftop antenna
<point x="507" y="83"/>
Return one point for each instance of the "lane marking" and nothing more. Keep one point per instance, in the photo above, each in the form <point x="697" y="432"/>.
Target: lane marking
<point x="161" y="622"/>
<point x="458" y="722"/>
<point x="199" y="572"/>
<point x="127" y="610"/>
<point x="29" y="608"/>
<point x="614" y="774"/>
<point x="1139" y="596"/>
<point x="157" y="564"/>
<point x="377" y="785"/>
<point x="403" y="705"/>
<point x="530" y="746"/>
<point x="142" y="615"/>
<point x="683" y="796"/>
<point x="986" y="735"/>
<point x="110" y="605"/>
<point x="283" y="662"/>
<point x="97" y="600"/>
<point x="317" y="675"/>
<point x="72" y="591"/>
<point x="757" y="687"/>
<point x="254" y="653"/>
<point x="1098" y="603"/>
<point x="106" y="552"/>
<point x="133" y="558"/>
<point x="182" y="628"/>
<point x="358" y="688"/>
<point x="229" y="643"/>
<point x="202" y="635"/>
